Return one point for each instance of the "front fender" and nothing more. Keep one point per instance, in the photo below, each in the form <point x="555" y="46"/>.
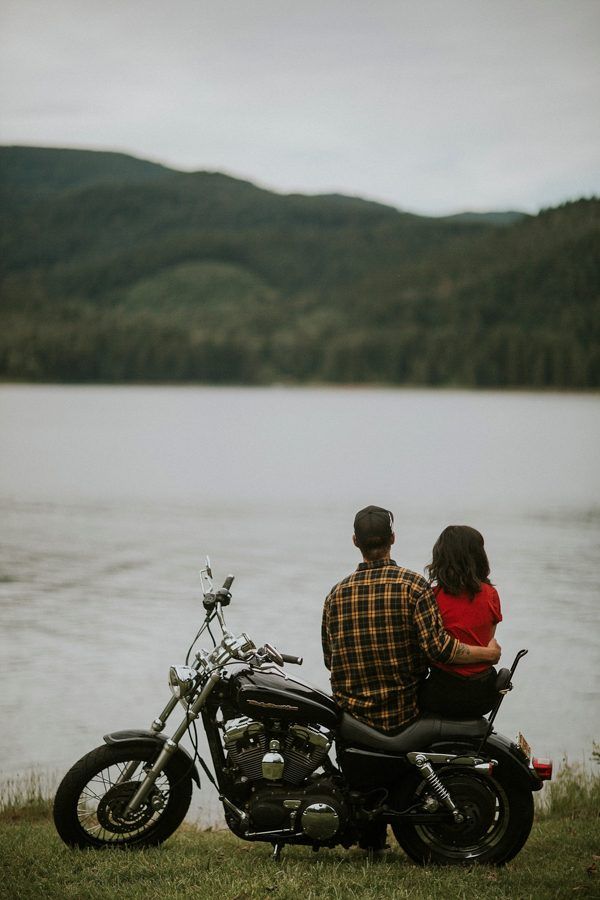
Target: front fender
<point x="137" y="736"/>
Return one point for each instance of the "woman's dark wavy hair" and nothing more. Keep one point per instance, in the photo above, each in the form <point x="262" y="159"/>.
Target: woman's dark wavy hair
<point x="459" y="563"/>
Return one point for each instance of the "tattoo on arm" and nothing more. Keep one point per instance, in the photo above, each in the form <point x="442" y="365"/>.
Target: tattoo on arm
<point x="463" y="652"/>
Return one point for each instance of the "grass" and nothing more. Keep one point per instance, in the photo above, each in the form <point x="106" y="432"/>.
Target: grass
<point x="561" y="859"/>
<point x="29" y="794"/>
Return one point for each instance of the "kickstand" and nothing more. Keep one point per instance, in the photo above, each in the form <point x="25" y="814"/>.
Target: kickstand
<point x="277" y="848"/>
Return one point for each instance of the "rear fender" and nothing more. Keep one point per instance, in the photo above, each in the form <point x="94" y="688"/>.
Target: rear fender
<point x="134" y="736"/>
<point x="510" y="758"/>
<point x="513" y="760"/>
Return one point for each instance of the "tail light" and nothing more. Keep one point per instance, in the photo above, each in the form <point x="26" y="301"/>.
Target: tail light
<point x="543" y="768"/>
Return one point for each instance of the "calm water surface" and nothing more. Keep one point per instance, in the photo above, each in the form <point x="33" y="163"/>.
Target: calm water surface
<point x="111" y="496"/>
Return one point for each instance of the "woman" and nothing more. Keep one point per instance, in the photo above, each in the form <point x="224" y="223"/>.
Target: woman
<point x="470" y="606"/>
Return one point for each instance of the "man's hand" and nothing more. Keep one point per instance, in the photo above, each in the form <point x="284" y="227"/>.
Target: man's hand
<point x="496" y="649"/>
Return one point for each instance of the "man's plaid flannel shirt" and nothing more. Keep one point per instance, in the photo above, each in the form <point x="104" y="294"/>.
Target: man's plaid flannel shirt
<point x="380" y="627"/>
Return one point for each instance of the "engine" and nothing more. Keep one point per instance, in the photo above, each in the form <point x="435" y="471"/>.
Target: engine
<point x="289" y="755"/>
<point x="275" y="767"/>
<point x="317" y="811"/>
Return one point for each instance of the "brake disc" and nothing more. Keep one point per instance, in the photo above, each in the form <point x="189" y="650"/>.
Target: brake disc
<point x="111" y="809"/>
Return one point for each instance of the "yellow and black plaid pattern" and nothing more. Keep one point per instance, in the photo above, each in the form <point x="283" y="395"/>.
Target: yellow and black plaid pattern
<point x="380" y="627"/>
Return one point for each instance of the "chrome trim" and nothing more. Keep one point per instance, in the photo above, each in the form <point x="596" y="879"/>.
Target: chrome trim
<point x="416" y="755"/>
<point x="242" y="816"/>
<point x="310" y="736"/>
<point x="236" y="729"/>
<point x="265" y="705"/>
<point x="182" y="680"/>
<point x="320" y="821"/>
<point x="273" y="763"/>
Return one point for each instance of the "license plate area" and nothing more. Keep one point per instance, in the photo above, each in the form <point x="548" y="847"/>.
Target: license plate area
<point x="524" y="746"/>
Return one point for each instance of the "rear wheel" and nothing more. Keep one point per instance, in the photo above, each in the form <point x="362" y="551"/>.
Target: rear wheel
<point x="89" y="807"/>
<point x="498" y="815"/>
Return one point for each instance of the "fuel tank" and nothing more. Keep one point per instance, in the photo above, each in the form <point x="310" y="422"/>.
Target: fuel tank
<point x="281" y="696"/>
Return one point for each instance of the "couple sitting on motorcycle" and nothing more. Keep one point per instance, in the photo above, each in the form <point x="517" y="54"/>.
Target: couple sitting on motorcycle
<point x="396" y="647"/>
<point x="385" y="629"/>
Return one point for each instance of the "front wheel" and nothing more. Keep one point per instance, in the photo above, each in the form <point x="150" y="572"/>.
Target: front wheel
<point x="89" y="807"/>
<point x="498" y="818"/>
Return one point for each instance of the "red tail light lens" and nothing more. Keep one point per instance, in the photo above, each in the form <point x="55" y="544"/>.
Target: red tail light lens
<point x="543" y="769"/>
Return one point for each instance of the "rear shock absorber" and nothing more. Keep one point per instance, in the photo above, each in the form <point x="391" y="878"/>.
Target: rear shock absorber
<point x="427" y="774"/>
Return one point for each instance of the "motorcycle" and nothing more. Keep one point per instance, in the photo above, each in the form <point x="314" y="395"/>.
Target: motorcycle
<point x="454" y="791"/>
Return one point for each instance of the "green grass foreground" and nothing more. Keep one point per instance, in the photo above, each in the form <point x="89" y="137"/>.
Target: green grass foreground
<point x="561" y="859"/>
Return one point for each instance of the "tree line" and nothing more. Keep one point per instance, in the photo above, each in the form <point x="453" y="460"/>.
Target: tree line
<point x="117" y="272"/>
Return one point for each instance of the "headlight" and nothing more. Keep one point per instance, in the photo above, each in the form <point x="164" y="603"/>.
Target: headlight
<point x="182" y="680"/>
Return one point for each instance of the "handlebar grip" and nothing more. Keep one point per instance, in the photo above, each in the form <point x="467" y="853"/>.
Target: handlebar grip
<point x="295" y="660"/>
<point x="228" y="582"/>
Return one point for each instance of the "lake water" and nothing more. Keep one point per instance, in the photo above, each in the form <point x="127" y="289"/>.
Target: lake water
<point x="110" y="497"/>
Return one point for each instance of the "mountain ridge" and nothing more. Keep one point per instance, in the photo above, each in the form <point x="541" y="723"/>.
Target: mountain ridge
<point x="170" y="276"/>
<point x="22" y="165"/>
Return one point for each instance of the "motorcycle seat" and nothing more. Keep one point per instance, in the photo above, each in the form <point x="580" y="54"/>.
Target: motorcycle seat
<point x="424" y="731"/>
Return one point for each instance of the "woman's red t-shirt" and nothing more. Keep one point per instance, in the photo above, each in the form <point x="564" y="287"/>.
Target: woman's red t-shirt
<point x="470" y="621"/>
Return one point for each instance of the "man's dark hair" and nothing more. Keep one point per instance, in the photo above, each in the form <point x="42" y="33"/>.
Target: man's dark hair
<point x="459" y="563"/>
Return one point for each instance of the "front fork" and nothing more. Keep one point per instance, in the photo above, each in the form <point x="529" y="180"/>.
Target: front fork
<point x="156" y="727"/>
<point x="170" y="745"/>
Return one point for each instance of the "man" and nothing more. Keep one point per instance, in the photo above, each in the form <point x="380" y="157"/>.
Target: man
<point x="381" y="626"/>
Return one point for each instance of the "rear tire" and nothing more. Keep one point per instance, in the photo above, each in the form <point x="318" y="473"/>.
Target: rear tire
<point x="89" y="804"/>
<point x="499" y="816"/>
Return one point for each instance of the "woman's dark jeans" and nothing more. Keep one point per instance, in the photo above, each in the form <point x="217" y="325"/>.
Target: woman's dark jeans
<point x="444" y="694"/>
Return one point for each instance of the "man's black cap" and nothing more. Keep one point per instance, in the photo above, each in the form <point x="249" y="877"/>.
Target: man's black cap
<point x="373" y="523"/>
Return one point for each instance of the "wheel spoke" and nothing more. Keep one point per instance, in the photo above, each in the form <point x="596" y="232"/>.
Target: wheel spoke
<point x="90" y="794"/>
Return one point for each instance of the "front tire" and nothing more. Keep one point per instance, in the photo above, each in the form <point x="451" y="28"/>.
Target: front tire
<point x="498" y="819"/>
<point x="89" y="804"/>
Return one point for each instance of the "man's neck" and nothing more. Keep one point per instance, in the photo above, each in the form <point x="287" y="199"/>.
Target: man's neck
<point x="378" y="558"/>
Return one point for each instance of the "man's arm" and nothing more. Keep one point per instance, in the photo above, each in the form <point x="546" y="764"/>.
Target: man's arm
<point x="432" y="637"/>
<point x="470" y="653"/>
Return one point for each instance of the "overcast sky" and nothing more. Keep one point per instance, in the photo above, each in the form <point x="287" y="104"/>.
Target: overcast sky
<point x="434" y="106"/>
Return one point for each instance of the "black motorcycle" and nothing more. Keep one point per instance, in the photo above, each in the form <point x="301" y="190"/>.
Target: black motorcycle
<point x="453" y="790"/>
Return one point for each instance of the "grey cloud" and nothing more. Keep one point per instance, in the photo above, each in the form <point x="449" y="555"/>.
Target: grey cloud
<point x="427" y="105"/>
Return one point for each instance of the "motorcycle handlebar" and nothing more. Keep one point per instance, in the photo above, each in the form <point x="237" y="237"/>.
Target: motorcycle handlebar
<point x="222" y="596"/>
<point x="294" y="660"/>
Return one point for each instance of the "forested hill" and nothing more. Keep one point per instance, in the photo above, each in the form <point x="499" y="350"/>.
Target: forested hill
<point x="116" y="269"/>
